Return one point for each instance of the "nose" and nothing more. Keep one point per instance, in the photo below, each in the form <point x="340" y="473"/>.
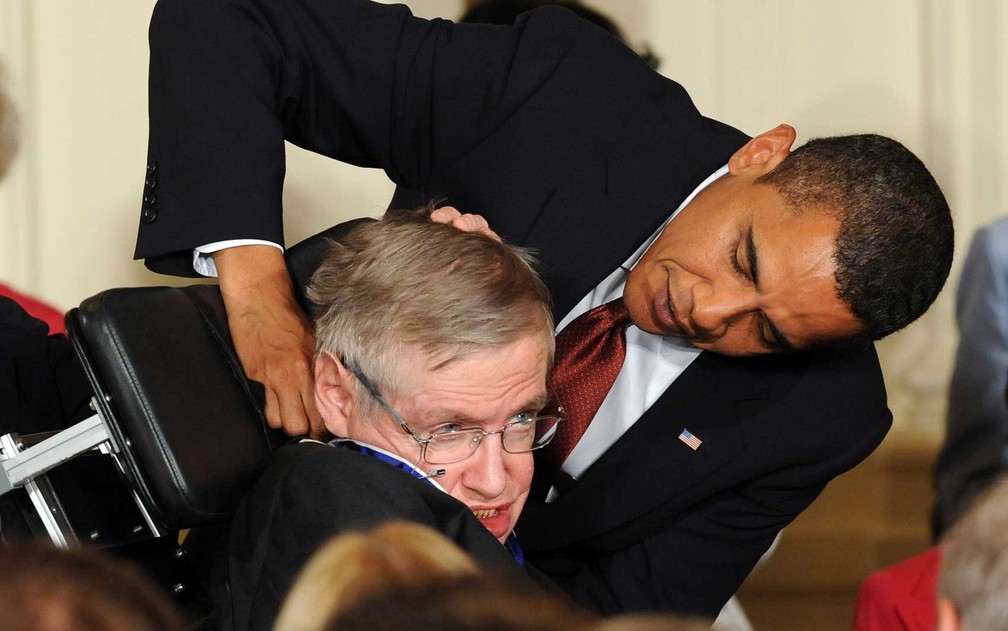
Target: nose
<point x="715" y="308"/>
<point x="486" y="471"/>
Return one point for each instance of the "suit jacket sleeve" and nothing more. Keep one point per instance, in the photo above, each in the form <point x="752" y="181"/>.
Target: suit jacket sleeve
<point x="361" y="82"/>
<point x="976" y="445"/>
<point x="42" y="383"/>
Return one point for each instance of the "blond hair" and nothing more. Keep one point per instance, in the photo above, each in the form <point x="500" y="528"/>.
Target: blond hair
<point x="486" y="602"/>
<point x="357" y="565"/>
<point x="406" y="282"/>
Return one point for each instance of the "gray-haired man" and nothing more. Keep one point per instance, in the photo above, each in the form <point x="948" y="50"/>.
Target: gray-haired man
<point x="433" y="348"/>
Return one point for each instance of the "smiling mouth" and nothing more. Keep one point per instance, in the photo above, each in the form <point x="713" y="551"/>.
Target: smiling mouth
<point x="485" y="513"/>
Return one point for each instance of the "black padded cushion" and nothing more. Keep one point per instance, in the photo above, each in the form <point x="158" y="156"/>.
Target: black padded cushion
<point x="160" y="361"/>
<point x="164" y="370"/>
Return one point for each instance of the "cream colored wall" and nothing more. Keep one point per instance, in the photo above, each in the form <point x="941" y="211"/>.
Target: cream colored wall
<point x="928" y="72"/>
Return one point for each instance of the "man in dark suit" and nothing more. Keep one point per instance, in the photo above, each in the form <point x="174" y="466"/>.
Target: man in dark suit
<point x="569" y="143"/>
<point x="433" y="347"/>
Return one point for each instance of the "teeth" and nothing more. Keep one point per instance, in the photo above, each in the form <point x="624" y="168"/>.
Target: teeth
<point x="485" y="513"/>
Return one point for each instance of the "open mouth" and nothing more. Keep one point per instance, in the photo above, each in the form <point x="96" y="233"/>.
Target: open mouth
<point x="485" y="513"/>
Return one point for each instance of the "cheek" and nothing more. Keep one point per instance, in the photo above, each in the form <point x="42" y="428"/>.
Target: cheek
<point x="741" y="340"/>
<point x="520" y="469"/>
<point x="451" y="481"/>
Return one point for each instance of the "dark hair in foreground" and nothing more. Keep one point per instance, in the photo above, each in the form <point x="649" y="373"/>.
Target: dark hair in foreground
<point x="894" y="249"/>
<point x="46" y="589"/>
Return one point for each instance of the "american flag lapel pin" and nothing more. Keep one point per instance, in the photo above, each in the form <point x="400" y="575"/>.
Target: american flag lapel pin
<point x="691" y="441"/>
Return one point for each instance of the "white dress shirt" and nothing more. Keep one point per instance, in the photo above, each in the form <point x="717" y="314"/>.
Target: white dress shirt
<point x="652" y="363"/>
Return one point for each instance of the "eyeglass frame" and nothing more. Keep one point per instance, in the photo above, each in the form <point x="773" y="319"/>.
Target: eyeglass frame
<point x="424" y="442"/>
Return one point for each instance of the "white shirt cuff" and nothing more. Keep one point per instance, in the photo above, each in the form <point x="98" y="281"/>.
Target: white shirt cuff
<point x="203" y="261"/>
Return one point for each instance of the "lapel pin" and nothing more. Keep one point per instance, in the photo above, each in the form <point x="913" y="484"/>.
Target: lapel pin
<point x="691" y="441"/>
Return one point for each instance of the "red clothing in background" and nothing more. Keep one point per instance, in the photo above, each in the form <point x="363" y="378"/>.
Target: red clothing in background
<point x="900" y="597"/>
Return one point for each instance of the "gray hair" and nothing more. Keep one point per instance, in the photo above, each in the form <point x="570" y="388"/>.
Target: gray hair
<point x="974" y="574"/>
<point x="406" y="282"/>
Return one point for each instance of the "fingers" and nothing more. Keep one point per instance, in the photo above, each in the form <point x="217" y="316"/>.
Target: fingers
<point x="467" y="222"/>
<point x="445" y="214"/>
<point x="272" y="411"/>
<point x="272" y="337"/>
<point x="316" y="427"/>
<point x="290" y="397"/>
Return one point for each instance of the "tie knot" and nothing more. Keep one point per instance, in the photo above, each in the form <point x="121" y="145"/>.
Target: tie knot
<point x="617" y="312"/>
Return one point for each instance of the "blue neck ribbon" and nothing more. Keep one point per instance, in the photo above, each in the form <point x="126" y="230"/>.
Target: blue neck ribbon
<point x="511" y="543"/>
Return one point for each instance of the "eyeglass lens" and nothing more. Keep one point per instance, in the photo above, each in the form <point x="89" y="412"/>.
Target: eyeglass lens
<point x="518" y="437"/>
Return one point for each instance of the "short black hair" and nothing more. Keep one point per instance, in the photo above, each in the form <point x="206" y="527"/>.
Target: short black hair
<point x="894" y="247"/>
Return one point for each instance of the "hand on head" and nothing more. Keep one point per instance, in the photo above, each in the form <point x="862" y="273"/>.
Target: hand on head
<point x="467" y="222"/>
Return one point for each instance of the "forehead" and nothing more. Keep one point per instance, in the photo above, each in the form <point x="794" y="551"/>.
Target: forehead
<point x="484" y="388"/>
<point x="797" y="287"/>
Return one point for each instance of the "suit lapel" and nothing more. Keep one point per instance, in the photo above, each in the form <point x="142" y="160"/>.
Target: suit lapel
<point x="650" y="468"/>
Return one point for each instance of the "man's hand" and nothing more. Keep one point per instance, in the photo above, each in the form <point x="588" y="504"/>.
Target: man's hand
<point x="466" y="223"/>
<point x="271" y="334"/>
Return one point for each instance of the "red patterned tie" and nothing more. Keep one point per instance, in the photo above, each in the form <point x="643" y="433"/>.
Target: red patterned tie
<point x="589" y="355"/>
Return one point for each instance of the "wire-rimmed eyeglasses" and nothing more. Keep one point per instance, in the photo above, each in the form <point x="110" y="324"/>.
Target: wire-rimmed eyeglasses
<point x="522" y="434"/>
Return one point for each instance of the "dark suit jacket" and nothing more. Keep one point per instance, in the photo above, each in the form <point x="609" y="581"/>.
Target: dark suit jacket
<point x="568" y="143"/>
<point x="310" y="493"/>
<point x="42" y="384"/>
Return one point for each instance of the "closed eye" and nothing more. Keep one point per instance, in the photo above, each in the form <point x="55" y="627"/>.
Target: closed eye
<point x="733" y="258"/>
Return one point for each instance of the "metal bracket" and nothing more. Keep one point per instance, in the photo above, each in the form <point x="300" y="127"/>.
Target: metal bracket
<point x="27" y="467"/>
<point x="17" y="467"/>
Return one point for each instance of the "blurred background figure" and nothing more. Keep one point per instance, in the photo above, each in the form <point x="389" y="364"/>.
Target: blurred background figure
<point x="488" y="603"/>
<point x="8" y="132"/>
<point x="45" y="589"/>
<point x="900" y="597"/>
<point x="973" y="584"/>
<point x="481" y="603"/>
<point x="42" y="385"/>
<point x="975" y="452"/>
<point x="506" y="11"/>
<point x="356" y="565"/>
<point x="9" y="141"/>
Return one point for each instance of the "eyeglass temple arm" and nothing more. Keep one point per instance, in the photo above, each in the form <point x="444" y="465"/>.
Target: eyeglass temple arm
<point x="375" y="394"/>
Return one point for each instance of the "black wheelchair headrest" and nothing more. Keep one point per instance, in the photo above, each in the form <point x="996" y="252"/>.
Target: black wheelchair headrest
<point x="166" y="378"/>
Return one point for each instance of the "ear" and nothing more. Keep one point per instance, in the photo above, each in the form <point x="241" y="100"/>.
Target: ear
<point x="763" y="153"/>
<point x="948" y="616"/>
<point x="335" y="395"/>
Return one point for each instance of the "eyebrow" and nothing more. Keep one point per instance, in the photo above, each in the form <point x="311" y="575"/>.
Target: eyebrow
<point x="778" y="340"/>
